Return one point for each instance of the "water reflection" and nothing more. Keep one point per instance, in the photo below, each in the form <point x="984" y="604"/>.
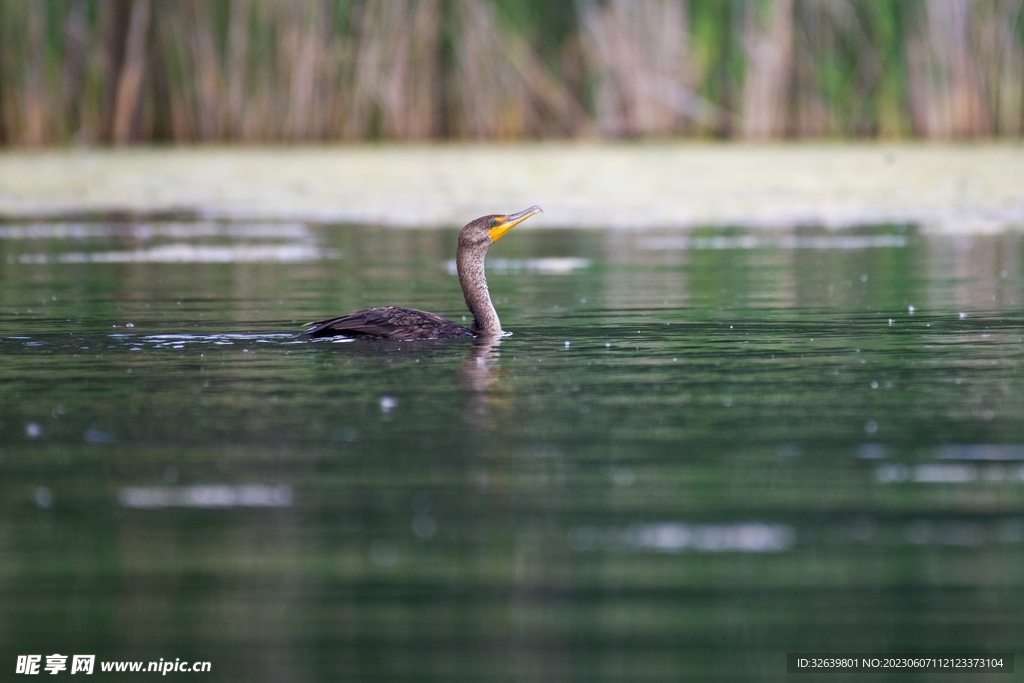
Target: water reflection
<point x="674" y="537"/>
<point x="479" y="378"/>
<point x="934" y="473"/>
<point x="206" y="496"/>
<point x="186" y="253"/>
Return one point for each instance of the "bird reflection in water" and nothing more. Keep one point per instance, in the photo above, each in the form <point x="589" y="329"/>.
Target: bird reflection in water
<point x="480" y="378"/>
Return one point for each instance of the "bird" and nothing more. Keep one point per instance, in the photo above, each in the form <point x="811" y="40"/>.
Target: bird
<point x="408" y="324"/>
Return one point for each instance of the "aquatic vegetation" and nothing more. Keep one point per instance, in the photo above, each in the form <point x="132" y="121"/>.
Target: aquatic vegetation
<point x="234" y="70"/>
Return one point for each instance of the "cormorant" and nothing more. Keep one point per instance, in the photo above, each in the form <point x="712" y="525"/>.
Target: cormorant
<point x="393" y="322"/>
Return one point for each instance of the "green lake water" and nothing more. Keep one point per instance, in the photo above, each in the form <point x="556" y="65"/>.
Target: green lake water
<point x="694" y="453"/>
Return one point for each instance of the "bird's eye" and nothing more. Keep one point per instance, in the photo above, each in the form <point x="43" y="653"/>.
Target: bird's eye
<point x="494" y="222"/>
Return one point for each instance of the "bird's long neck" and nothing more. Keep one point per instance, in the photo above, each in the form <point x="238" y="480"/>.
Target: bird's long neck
<point x="470" y="263"/>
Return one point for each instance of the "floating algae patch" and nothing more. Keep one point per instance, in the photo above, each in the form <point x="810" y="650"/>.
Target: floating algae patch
<point x="958" y="188"/>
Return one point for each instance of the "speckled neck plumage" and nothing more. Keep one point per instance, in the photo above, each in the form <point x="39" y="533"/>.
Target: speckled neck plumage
<point x="470" y="262"/>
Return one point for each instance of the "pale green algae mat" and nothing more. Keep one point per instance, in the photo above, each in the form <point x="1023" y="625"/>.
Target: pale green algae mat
<point x="944" y="187"/>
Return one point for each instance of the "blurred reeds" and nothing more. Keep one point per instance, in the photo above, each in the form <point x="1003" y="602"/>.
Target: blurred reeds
<point x="123" y="71"/>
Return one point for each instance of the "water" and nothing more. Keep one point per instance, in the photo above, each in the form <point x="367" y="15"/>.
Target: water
<point x="693" y="454"/>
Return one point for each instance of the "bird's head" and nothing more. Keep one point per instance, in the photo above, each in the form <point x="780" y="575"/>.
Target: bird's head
<point x="486" y="230"/>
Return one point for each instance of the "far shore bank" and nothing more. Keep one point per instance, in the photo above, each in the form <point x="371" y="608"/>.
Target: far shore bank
<point x="682" y="185"/>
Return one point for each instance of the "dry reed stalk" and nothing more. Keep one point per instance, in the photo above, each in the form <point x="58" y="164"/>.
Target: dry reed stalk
<point x="1007" y="76"/>
<point x="816" y="35"/>
<point x="302" y="46"/>
<point x="502" y="89"/>
<point x="113" y="19"/>
<point x="126" y="102"/>
<point x="232" y="112"/>
<point x="262" y="110"/>
<point x="337" y="76"/>
<point x="640" y="54"/>
<point x="946" y="91"/>
<point x="173" y="38"/>
<point x="11" y="62"/>
<point x="949" y="23"/>
<point x="369" y="67"/>
<point x="766" y="84"/>
<point x="831" y="37"/>
<point x="70" y="113"/>
<point x="207" y="69"/>
<point x="490" y="100"/>
<point x="568" y="117"/>
<point x="35" y="105"/>
<point x="852" y="113"/>
<point x="421" y="76"/>
<point x="395" y="85"/>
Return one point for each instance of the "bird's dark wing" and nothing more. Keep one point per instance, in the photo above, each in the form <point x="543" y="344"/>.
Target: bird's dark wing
<point x="389" y="322"/>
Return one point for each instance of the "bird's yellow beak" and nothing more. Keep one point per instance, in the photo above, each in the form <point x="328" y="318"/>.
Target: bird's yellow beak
<point x="503" y="224"/>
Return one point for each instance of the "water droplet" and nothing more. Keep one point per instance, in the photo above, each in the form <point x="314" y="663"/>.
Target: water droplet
<point x="891" y="473"/>
<point x="383" y="553"/>
<point x="874" y="384"/>
<point x="863" y="277"/>
<point x="348" y="434"/>
<point x="424" y="526"/>
<point x="910" y="310"/>
<point x="623" y="476"/>
<point x="567" y="344"/>
<point x="388" y="403"/>
<point x="96" y="435"/>
<point x="871" y="451"/>
<point x="788" y="450"/>
<point x="890" y="321"/>
<point x="962" y="315"/>
<point x="727" y="401"/>
<point x="607" y="345"/>
<point x="870" y="426"/>
<point x="129" y="324"/>
<point x="988" y="415"/>
<point x="44" y="497"/>
<point x="33" y="430"/>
